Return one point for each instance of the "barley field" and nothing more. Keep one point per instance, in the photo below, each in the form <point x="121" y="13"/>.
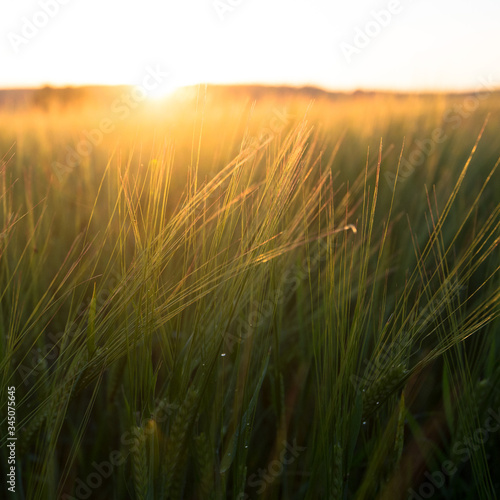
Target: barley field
<point x="251" y="293"/>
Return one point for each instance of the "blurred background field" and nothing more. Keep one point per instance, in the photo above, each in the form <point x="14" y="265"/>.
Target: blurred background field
<point x="233" y="275"/>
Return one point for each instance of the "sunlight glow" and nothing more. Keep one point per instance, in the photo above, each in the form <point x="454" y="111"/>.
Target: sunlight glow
<point x="161" y="92"/>
<point x="374" y="44"/>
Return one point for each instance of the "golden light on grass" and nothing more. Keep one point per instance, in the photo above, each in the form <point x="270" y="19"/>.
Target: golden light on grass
<point x="229" y="291"/>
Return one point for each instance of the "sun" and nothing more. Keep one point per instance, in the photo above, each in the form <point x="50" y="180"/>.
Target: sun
<point x="156" y="83"/>
<point x="162" y="91"/>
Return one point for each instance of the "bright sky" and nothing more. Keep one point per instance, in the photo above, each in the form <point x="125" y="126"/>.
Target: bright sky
<point x="389" y="44"/>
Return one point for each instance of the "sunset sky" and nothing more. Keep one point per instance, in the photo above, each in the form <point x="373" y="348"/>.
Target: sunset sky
<point x="405" y="44"/>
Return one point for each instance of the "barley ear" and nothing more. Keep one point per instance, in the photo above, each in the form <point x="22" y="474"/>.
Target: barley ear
<point x="337" y="473"/>
<point x="204" y="464"/>
<point x="382" y="388"/>
<point x="176" y="442"/>
<point x="400" y="430"/>
<point x="139" y="465"/>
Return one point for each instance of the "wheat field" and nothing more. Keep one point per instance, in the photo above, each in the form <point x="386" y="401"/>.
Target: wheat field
<point x="242" y="292"/>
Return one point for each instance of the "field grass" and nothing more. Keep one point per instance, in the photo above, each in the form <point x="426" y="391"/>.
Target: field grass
<point x="221" y="296"/>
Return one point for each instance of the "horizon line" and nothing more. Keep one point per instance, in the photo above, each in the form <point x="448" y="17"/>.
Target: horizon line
<point x="328" y="90"/>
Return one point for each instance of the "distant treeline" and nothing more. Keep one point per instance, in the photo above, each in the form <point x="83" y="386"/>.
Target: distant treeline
<point x="47" y="96"/>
